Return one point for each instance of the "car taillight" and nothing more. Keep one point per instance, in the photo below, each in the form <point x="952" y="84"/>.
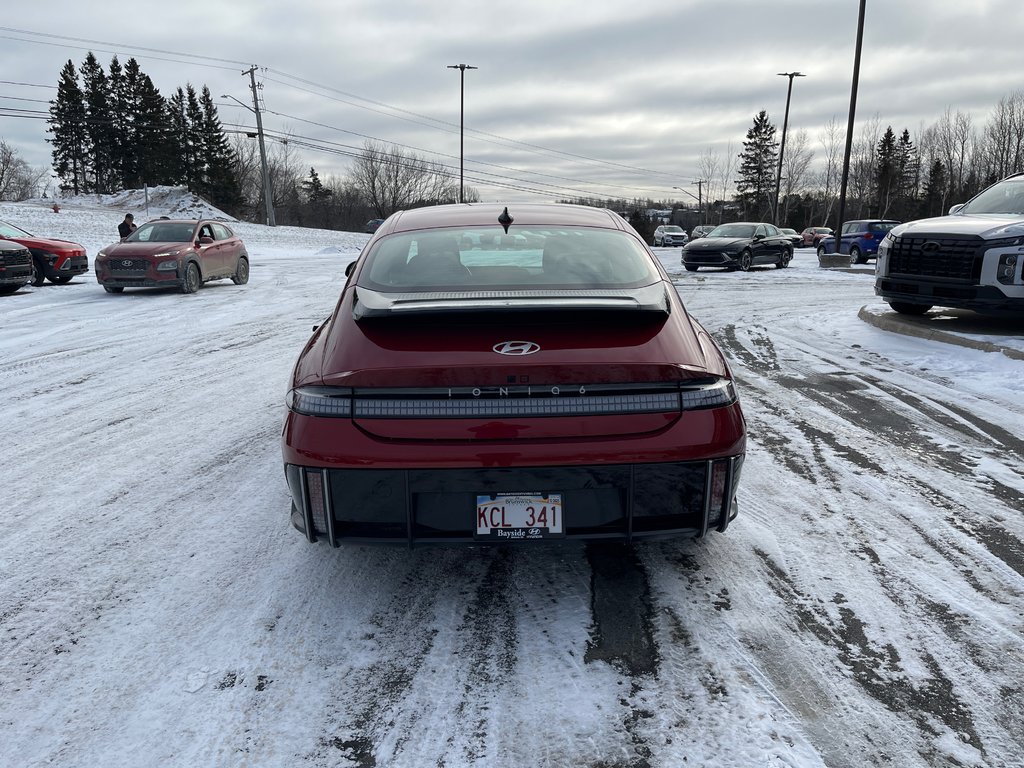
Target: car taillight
<point x="716" y="395"/>
<point x="320" y="401"/>
<point x="869" y="236"/>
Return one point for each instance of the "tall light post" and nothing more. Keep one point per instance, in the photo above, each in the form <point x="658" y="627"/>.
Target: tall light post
<point x="838" y="233"/>
<point x="782" y="147"/>
<point x="268" y="197"/>
<point x="462" y="125"/>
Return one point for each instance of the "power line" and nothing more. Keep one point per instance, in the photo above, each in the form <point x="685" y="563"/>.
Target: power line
<point x="360" y="102"/>
<point x="119" y="45"/>
<point x="452" y="128"/>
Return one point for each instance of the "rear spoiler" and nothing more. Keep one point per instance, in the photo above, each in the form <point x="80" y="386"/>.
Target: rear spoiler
<point x="649" y="298"/>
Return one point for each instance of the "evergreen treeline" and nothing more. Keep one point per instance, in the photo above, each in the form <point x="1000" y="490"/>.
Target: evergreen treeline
<point x="112" y="130"/>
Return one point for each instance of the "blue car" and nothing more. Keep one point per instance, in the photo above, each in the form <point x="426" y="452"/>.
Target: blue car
<point x="860" y="239"/>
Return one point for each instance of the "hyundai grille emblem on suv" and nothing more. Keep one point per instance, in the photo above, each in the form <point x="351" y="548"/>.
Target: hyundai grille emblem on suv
<point x="516" y="348"/>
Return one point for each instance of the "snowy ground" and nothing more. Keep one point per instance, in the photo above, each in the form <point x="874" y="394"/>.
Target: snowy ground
<point x="867" y="608"/>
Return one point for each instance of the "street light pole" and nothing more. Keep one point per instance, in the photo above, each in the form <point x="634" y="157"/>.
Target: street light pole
<point x="782" y="147"/>
<point x="462" y="123"/>
<point x="838" y="233"/>
<point x="699" y="183"/>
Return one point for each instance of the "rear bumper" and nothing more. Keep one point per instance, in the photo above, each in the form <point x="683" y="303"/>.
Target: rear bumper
<point x="414" y="507"/>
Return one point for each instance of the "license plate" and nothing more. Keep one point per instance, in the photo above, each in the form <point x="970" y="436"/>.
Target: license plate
<point x="519" y="516"/>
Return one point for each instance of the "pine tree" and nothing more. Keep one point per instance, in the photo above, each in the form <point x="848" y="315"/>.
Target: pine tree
<point x="886" y="171"/>
<point x="130" y="100"/>
<point x="67" y="123"/>
<point x="156" y="146"/>
<point x="908" y="167"/>
<point x="315" y="191"/>
<point x="936" y="188"/>
<point x="758" y="166"/>
<point x="219" y="183"/>
<point x="99" y="126"/>
<point x="119" y="123"/>
<point x="193" y="153"/>
<point x="177" y="125"/>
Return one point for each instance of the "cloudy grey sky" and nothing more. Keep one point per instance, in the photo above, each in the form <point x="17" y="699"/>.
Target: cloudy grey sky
<point x="572" y="97"/>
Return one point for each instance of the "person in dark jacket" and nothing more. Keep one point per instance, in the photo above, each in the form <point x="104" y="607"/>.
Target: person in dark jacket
<point x="127" y="226"/>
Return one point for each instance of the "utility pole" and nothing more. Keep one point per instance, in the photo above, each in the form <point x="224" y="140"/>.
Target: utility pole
<point x="267" y="194"/>
<point x="700" y="206"/>
<point x="782" y="147"/>
<point x="462" y="122"/>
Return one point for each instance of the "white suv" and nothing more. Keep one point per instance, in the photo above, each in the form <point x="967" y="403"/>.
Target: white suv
<point x="669" y="234"/>
<point x="970" y="259"/>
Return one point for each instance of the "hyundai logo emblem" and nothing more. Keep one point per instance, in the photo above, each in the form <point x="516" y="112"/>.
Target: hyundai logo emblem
<point x="516" y="348"/>
<point x="126" y="263"/>
<point x="930" y="247"/>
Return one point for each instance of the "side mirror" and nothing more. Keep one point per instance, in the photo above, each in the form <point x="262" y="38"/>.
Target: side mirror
<point x="348" y="269"/>
<point x="956" y="208"/>
<point x="204" y="240"/>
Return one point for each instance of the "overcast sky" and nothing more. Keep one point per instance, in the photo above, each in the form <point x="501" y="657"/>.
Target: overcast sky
<point x="571" y="97"/>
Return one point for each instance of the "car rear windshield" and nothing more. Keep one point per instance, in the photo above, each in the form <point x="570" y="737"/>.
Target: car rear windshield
<point x="487" y="258"/>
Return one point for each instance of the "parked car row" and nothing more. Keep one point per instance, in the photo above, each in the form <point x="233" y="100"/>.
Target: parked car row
<point x="180" y="253"/>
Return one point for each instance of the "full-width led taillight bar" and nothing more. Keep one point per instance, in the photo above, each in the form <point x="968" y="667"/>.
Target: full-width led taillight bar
<point x="511" y="402"/>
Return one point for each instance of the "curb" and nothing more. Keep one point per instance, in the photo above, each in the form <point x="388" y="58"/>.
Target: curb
<point x="909" y="326"/>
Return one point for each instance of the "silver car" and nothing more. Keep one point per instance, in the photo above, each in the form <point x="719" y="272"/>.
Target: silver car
<point x="668" y="235"/>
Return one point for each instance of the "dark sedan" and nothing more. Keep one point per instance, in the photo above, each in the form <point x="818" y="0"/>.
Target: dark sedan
<point x="510" y="374"/>
<point x="740" y="245"/>
<point x="794" y="237"/>
<point x="166" y="253"/>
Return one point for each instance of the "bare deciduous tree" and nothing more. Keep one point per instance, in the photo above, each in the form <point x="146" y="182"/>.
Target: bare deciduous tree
<point x="717" y="170"/>
<point x="954" y="134"/>
<point x="391" y="178"/>
<point x="18" y="180"/>
<point x="861" y="179"/>
<point x="827" y="180"/>
<point x="1002" y="143"/>
<point x="794" y="169"/>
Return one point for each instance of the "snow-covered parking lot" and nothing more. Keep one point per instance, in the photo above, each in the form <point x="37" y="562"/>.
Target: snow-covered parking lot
<point x="157" y="609"/>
